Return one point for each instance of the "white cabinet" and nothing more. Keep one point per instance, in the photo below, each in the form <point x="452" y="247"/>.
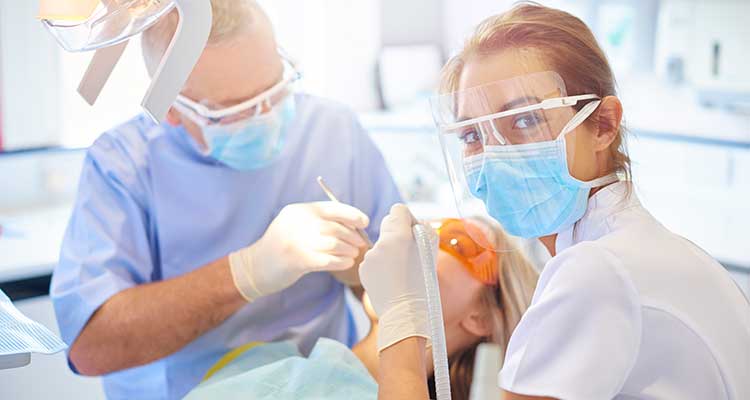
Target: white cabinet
<point x="699" y="191"/>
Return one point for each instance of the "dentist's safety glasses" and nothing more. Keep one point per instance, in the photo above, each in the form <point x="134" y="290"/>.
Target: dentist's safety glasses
<point x="504" y="148"/>
<point x="205" y="114"/>
<point x="457" y="238"/>
<point x="83" y="25"/>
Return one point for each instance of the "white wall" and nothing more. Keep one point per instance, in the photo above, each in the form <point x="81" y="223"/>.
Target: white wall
<point x="28" y="77"/>
<point x="337" y="43"/>
<point x="411" y="22"/>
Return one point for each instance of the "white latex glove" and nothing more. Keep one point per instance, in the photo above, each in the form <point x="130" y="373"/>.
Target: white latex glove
<point x="391" y="273"/>
<point x="306" y="237"/>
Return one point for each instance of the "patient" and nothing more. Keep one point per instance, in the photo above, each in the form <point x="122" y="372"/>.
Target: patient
<point x="483" y="292"/>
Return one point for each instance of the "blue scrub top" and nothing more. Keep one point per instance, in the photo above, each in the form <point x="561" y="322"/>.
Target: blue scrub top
<point x="151" y="206"/>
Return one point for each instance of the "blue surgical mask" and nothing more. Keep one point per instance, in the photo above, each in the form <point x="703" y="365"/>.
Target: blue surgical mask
<point x="528" y="188"/>
<point x="252" y="143"/>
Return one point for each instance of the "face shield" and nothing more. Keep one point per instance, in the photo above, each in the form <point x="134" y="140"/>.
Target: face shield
<point x="505" y="151"/>
<point x="105" y="26"/>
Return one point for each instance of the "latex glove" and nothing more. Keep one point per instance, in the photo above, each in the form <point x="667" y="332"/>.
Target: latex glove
<point x="303" y="238"/>
<point x="391" y="273"/>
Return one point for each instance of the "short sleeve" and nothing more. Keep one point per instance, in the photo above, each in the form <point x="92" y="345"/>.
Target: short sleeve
<point x="374" y="189"/>
<point x="106" y="248"/>
<point x="580" y="336"/>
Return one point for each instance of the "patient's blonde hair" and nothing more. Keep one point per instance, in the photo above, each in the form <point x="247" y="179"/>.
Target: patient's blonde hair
<point x="503" y="303"/>
<point x="230" y="18"/>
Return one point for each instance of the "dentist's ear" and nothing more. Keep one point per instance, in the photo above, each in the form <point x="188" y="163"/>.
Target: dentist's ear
<point x="173" y="117"/>
<point x="609" y="118"/>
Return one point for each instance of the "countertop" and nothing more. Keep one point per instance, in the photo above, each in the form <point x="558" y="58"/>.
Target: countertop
<point x="30" y="242"/>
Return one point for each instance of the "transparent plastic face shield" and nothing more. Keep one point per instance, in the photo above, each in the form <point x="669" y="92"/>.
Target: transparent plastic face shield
<point x="105" y="26"/>
<point x="204" y="114"/>
<point x="109" y="22"/>
<point x="508" y="128"/>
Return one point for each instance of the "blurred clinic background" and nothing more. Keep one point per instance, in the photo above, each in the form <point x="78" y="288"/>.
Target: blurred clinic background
<point x="682" y="66"/>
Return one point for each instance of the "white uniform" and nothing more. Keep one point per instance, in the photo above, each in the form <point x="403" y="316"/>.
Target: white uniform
<point x="629" y="310"/>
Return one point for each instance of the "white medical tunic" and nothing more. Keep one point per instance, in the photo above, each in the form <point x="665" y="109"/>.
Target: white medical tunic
<point x="629" y="310"/>
<point x="151" y="206"/>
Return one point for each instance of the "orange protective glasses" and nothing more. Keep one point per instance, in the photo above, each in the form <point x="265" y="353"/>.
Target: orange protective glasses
<point x="469" y="245"/>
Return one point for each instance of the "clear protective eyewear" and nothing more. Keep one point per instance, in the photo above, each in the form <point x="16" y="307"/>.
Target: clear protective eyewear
<point x="468" y="243"/>
<point x="254" y="107"/>
<point x="502" y="128"/>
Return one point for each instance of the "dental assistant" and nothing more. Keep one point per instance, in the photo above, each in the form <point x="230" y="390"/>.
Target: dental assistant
<point x="624" y="309"/>
<point x="200" y="235"/>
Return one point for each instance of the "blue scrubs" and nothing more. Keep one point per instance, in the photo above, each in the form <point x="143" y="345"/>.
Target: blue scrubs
<point x="151" y="206"/>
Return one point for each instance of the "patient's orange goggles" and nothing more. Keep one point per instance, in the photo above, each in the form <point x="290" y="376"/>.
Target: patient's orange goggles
<point x="469" y="245"/>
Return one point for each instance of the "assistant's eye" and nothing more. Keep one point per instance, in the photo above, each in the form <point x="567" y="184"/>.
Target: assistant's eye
<point x="471" y="140"/>
<point x="527" y="120"/>
<point x="470" y="136"/>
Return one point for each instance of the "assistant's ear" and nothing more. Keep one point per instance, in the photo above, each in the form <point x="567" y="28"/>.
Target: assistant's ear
<point x="173" y="117"/>
<point x="477" y="323"/>
<point x="609" y="118"/>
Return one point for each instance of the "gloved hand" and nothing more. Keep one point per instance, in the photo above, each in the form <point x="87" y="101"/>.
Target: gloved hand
<point x="391" y="273"/>
<point x="305" y="237"/>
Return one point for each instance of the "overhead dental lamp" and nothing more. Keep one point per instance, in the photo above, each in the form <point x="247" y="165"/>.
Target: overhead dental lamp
<point x="106" y="26"/>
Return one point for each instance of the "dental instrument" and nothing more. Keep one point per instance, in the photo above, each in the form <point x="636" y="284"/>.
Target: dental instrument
<point x="334" y="199"/>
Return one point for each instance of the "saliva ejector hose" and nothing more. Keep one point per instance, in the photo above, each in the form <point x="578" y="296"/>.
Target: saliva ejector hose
<point x="424" y="237"/>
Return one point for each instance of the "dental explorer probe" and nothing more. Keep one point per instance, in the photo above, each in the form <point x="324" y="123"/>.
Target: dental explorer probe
<point x="333" y="198"/>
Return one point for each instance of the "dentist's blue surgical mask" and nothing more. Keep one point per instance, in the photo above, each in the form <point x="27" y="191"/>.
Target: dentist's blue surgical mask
<point x="251" y="134"/>
<point x="251" y="143"/>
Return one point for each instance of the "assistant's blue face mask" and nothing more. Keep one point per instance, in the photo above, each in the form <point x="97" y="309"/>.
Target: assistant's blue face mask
<point x="252" y="143"/>
<point x="528" y="188"/>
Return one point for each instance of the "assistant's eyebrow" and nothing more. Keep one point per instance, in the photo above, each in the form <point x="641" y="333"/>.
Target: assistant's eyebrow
<point x="521" y="101"/>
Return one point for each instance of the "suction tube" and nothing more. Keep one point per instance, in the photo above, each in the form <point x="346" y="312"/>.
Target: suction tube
<point x="424" y="237"/>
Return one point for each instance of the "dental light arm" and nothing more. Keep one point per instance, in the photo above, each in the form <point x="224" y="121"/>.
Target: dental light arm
<point x="190" y="38"/>
<point x="99" y="70"/>
<point x="184" y="50"/>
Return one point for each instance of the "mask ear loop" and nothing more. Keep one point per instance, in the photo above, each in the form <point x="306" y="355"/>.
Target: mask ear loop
<point x="578" y="119"/>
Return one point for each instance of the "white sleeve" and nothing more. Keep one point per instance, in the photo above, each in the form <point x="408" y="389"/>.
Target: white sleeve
<point x="580" y="336"/>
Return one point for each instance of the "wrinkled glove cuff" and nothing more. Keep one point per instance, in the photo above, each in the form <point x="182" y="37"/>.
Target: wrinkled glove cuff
<point x="402" y="321"/>
<point x="241" y="264"/>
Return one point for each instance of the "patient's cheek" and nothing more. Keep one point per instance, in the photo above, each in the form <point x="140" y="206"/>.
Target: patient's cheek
<point x="457" y="287"/>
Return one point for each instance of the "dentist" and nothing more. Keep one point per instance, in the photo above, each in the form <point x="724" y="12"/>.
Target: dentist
<point x="197" y="236"/>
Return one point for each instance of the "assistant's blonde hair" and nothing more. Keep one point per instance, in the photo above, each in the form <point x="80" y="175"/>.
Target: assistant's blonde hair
<point x="230" y="18"/>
